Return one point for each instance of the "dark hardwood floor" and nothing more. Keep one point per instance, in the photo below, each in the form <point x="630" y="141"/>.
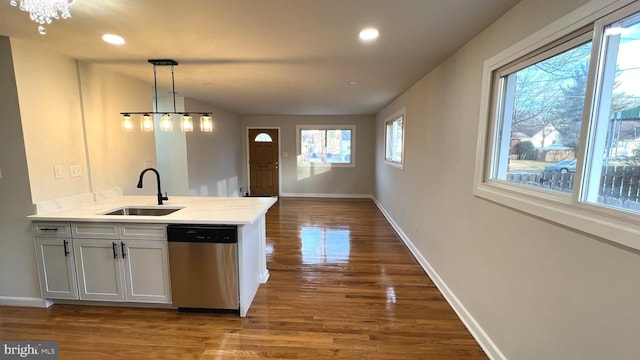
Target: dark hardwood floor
<point x="342" y="285"/>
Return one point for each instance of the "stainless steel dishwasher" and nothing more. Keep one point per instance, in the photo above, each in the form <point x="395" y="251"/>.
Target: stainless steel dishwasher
<point x="203" y="262"/>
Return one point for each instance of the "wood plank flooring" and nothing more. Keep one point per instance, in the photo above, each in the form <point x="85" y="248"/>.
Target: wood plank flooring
<point x="342" y="285"/>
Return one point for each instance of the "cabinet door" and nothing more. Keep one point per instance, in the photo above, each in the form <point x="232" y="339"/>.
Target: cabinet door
<point x="146" y="270"/>
<point x="56" y="268"/>
<point x="99" y="269"/>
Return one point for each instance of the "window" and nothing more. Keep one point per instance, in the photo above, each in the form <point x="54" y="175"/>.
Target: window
<point x="326" y="145"/>
<point x="394" y="140"/>
<point x="538" y="108"/>
<point x="613" y="169"/>
<point x="263" y="137"/>
<point x="560" y="125"/>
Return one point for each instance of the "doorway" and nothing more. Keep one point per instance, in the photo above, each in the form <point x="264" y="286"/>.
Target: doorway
<point x="264" y="177"/>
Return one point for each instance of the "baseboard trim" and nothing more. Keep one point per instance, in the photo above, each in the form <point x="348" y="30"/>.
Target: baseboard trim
<point x="468" y="320"/>
<point x="319" y="195"/>
<point x="23" y="301"/>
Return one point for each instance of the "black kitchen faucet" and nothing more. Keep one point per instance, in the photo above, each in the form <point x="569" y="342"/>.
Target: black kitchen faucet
<point x="160" y="197"/>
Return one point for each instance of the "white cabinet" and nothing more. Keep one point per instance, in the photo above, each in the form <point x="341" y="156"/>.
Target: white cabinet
<point x="103" y="262"/>
<point x="56" y="268"/>
<point x="146" y="271"/>
<point x="132" y="270"/>
<point x="99" y="269"/>
<point x="122" y="262"/>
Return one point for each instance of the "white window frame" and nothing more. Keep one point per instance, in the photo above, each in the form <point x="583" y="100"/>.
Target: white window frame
<point x="611" y="224"/>
<point x="399" y="115"/>
<point x="301" y="163"/>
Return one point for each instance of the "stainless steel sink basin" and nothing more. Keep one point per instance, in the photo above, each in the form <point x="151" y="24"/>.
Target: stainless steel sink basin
<point x="142" y="211"/>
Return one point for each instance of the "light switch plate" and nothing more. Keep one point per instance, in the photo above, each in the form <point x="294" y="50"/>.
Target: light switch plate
<point x="58" y="172"/>
<point x="75" y="171"/>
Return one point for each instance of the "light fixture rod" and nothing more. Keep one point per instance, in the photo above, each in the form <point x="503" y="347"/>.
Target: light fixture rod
<point x="165" y="112"/>
<point x="173" y="88"/>
<point x="155" y="87"/>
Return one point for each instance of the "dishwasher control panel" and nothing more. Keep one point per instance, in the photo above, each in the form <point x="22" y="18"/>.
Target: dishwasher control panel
<point x="202" y="233"/>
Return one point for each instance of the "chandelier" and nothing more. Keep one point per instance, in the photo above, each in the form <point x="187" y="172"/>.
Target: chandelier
<point x="44" y="11"/>
<point x="166" y="123"/>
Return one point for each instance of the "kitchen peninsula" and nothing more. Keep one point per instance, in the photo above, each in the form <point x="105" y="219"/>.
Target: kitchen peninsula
<point x="122" y="221"/>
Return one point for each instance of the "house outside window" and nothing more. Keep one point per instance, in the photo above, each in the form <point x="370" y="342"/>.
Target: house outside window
<point x="560" y="126"/>
<point x="332" y="146"/>
<point x="394" y="140"/>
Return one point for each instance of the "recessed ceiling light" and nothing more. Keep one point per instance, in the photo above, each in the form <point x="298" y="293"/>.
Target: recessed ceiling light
<point x="369" y="34"/>
<point x="354" y="82"/>
<point x="113" y="39"/>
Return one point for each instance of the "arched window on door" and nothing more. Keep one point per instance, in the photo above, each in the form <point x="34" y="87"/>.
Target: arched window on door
<point x="263" y="137"/>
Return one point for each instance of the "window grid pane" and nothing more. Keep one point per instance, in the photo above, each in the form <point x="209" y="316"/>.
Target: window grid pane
<point x="312" y="145"/>
<point x="393" y="141"/>
<point x="613" y="171"/>
<point x="540" y="115"/>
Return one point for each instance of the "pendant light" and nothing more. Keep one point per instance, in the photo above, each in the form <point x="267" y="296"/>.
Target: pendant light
<point x="146" y="123"/>
<point x="166" y="121"/>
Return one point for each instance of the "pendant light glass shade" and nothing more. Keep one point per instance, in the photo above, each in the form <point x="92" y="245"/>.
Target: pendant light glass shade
<point x="206" y="123"/>
<point x="127" y="124"/>
<point x="187" y="123"/>
<point x="166" y="124"/>
<point x="146" y="123"/>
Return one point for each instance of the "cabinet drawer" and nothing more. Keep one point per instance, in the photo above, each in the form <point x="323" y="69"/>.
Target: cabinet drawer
<point x="51" y="229"/>
<point x="144" y="231"/>
<point x="95" y="230"/>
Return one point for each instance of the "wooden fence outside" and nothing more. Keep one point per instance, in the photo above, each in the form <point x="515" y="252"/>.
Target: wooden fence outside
<point x="619" y="185"/>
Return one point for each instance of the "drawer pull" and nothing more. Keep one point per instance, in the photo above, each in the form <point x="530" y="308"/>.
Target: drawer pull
<point x="49" y="229"/>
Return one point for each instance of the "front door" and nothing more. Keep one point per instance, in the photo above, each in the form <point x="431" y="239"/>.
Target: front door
<point x="263" y="162"/>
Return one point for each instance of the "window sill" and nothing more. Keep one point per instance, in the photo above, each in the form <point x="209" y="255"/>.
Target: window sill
<point x="324" y="165"/>
<point x="399" y="166"/>
<point x="612" y="225"/>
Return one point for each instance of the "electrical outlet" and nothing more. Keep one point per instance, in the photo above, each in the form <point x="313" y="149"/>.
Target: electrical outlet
<point x="75" y="171"/>
<point x="58" y="172"/>
<point x="147" y="163"/>
<point x="418" y="230"/>
<point x="1" y="174"/>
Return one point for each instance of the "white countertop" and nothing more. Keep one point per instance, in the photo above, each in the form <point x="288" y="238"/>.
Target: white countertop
<point x="195" y="210"/>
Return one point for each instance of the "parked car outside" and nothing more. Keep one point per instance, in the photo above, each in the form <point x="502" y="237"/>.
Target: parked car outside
<point x="562" y="166"/>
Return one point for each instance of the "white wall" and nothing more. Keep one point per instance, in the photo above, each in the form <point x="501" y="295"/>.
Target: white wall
<point x="215" y="159"/>
<point x="116" y="158"/>
<point x="171" y="150"/>
<point x="538" y="290"/>
<point x="345" y="181"/>
<point x="18" y="273"/>
<point x="49" y="95"/>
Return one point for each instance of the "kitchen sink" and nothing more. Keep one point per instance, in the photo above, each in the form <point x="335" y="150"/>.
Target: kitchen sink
<point x="142" y="211"/>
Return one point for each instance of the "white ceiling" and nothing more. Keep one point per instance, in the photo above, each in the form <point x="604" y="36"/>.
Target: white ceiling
<point x="269" y="56"/>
